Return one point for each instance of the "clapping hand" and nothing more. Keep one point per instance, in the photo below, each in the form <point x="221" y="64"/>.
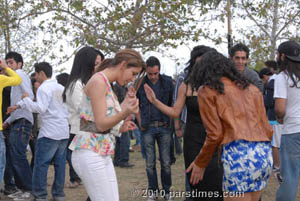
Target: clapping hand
<point x="149" y="93"/>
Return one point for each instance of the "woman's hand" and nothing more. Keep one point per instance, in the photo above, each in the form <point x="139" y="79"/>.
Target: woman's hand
<point x="149" y="93"/>
<point x="127" y="126"/>
<point x="130" y="101"/>
<point x="197" y="173"/>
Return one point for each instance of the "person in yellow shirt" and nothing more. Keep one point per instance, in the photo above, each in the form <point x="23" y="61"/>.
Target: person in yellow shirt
<point x="8" y="77"/>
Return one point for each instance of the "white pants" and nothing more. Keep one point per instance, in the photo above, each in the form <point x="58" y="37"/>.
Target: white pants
<point x="97" y="174"/>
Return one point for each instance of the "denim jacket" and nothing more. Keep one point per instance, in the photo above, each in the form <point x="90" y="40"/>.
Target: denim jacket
<point x="165" y="96"/>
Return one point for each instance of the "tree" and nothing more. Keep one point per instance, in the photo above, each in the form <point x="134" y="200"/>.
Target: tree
<point x="274" y="20"/>
<point x="19" y="32"/>
<point x="112" y="25"/>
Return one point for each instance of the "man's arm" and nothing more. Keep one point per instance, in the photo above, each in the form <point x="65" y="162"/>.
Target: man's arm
<point x="41" y="104"/>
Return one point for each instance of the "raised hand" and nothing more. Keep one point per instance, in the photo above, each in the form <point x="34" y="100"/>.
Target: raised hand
<point x="3" y="64"/>
<point x="149" y="93"/>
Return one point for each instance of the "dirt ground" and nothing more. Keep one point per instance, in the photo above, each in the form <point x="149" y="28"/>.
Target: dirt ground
<point x="133" y="182"/>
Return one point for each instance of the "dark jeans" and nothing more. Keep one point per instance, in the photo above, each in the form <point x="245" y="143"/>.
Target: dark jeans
<point x="73" y="176"/>
<point x="137" y="135"/>
<point x="9" y="182"/>
<point x="19" y="138"/>
<point x="122" y="149"/>
<point x="47" y="149"/>
<point x="162" y="136"/>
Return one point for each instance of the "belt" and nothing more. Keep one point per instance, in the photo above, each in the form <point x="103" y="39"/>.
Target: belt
<point x="21" y="119"/>
<point x="158" y="124"/>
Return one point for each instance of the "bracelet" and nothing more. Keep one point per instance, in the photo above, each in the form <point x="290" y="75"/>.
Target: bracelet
<point x="176" y="118"/>
<point x="177" y="129"/>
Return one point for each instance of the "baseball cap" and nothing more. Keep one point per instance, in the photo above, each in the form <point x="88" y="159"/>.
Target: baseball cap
<point x="265" y="71"/>
<point x="291" y="49"/>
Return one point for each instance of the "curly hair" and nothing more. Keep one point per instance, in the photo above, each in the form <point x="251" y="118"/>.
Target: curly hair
<point x="211" y="68"/>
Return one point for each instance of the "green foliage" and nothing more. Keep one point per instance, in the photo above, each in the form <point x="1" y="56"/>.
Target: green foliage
<point x="37" y="28"/>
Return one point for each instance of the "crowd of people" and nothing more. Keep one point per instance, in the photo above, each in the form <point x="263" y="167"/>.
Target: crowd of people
<point x="238" y="125"/>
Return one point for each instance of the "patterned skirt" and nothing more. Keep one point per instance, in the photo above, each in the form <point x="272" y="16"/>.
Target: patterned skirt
<point x="247" y="166"/>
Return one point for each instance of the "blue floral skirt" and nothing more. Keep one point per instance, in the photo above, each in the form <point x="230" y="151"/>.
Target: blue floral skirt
<point x="247" y="165"/>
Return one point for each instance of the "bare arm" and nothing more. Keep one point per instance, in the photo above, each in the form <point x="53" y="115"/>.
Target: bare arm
<point x="280" y="104"/>
<point x="170" y="111"/>
<point x="96" y="89"/>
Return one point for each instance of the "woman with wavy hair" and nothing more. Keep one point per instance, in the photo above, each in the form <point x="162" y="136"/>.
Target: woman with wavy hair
<point x="234" y="116"/>
<point x="101" y="119"/>
<point x="194" y="133"/>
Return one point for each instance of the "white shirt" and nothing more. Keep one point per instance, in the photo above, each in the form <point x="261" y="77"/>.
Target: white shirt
<point x="16" y="95"/>
<point x="73" y="101"/>
<point x="283" y="89"/>
<point x="53" y="112"/>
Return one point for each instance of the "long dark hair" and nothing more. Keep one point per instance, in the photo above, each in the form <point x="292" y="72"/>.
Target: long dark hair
<point x="211" y="68"/>
<point x="197" y="51"/>
<point x="292" y="69"/>
<point x="82" y="69"/>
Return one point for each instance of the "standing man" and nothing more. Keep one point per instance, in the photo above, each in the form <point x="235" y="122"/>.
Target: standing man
<point x="20" y="122"/>
<point x="11" y="80"/>
<point x="240" y="55"/>
<point x="53" y="134"/>
<point x="121" y="157"/>
<point x="287" y="108"/>
<point x="155" y="127"/>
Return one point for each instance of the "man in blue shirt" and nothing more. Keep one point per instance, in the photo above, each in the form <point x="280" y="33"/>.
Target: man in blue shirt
<point x="155" y="126"/>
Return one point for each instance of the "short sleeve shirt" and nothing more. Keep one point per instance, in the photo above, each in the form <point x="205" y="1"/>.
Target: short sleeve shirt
<point x="283" y="89"/>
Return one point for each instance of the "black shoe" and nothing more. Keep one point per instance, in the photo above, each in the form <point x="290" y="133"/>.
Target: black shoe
<point x="116" y="164"/>
<point x="126" y="165"/>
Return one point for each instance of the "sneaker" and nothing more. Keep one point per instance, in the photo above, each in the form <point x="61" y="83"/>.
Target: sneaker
<point x="26" y="196"/>
<point x="10" y="191"/>
<point x="278" y="177"/>
<point x="168" y="197"/>
<point x="277" y="174"/>
<point x="18" y="193"/>
<point x="152" y="197"/>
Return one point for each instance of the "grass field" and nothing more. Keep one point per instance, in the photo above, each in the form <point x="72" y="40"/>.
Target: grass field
<point x="133" y="182"/>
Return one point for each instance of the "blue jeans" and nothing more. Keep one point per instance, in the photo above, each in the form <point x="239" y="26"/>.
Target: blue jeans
<point x="73" y="176"/>
<point x="2" y="157"/>
<point x="47" y="149"/>
<point x="163" y="138"/>
<point x="137" y="136"/>
<point x="18" y="139"/>
<point x="9" y="172"/>
<point x="122" y="149"/>
<point x="289" y="167"/>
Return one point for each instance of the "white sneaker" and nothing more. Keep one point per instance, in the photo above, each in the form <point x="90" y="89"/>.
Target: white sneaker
<point x="16" y="194"/>
<point x="26" y="196"/>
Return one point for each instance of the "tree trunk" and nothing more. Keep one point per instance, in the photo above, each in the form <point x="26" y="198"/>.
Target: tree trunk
<point x="274" y="30"/>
